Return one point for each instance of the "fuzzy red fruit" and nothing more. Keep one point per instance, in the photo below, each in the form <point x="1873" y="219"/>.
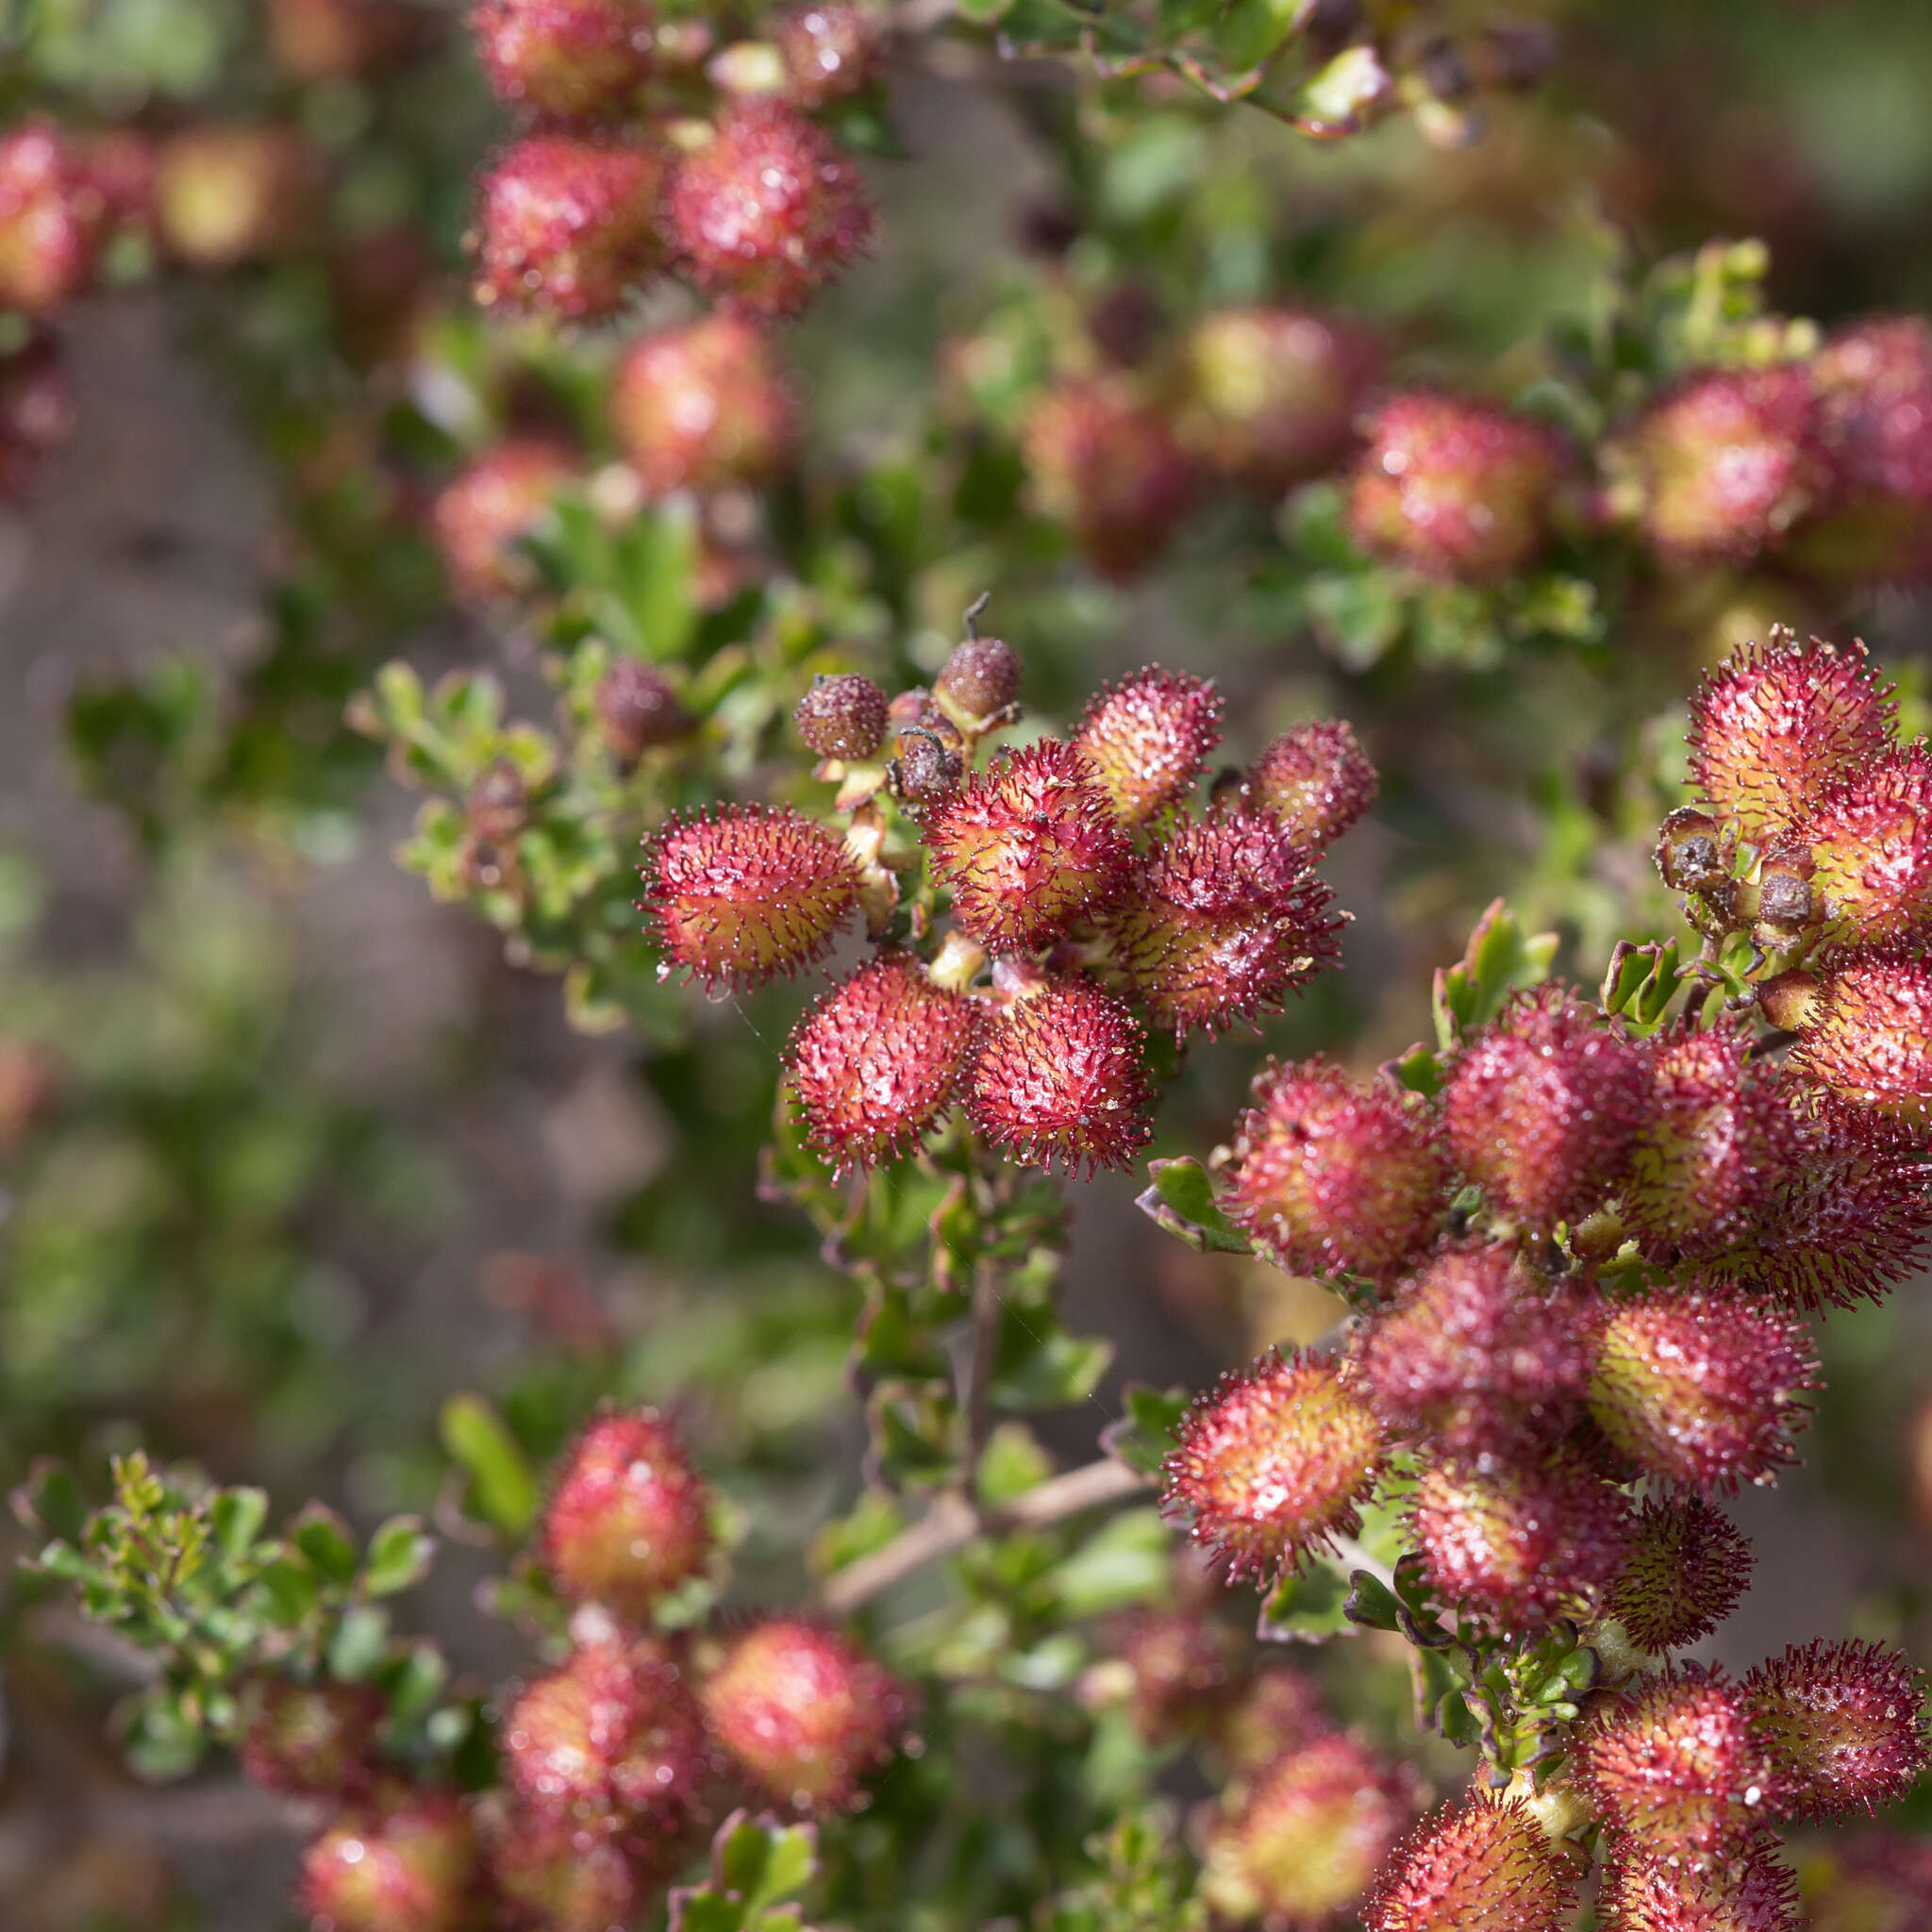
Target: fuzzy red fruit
<point x="637" y="711"/>
<point x="569" y="226"/>
<point x="555" y="1874"/>
<point x="1454" y="488"/>
<point x="1174" y="1670"/>
<point x="830" y="49"/>
<point x="615" y="1734"/>
<point x="805" y="1713"/>
<point x="1676" y="1762"/>
<point x="1271" y="1464"/>
<point x="1305" y="1837"/>
<point x="1776" y="726"/>
<point x="1107" y="466"/>
<point x="566" y="58"/>
<point x="51" y="215"/>
<point x="1647" y="1891"/>
<point x="1867" y="849"/>
<point x="1516" y="1546"/>
<point x="501" y="496"/>
<point x="1542" y="1106"/>
<point x="232" y="194"/>
<point x="741" y="895"/>
<point x="1844" y="1724"/>
<point x="703" y="406"/>
<point x="1702" y="1389"/>
<point x="1329" y="1176"/>
<point x="313" y="1741"/>
<point x="769" y="210"/>
<point x="1281" y="1711"/>
<point x="1682" y="1575"/>
<point x="628" y="1519"/>
<point x="405" y="1864"/>
<point x="1220" y="921"/>
<point x="36" y="413"/>
<point x="1148" y="739"/>
<point x="1272" y="393"/>
<point x="1026" y="847"/>
<point x="1314" y="781"/>
<point x="1724" y="466"/>
<point x="876" y="1063"/>
<point x="1056" y="1075"/>
<point x="843" y="717"/>
<point x="1482" y="1866"/>
<point x="1476" y="1357"/>
<point x="1868" y="1039"/>
<point x="1717" y="1136"/>
<point x="980" y="680"/>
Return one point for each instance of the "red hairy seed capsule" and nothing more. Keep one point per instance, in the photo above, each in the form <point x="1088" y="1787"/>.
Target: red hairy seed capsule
<point x="1776" y="726"/>
<point x="1174" y="1670"/>
<point x="1482" y="1866"/>
<point x="503" y="495"/>
<point x="1877" y="1881"/>
<point x="741" y="895"/>
<point x="1868" y="848"/>
<point x="1107" y="467"/>
<point x="1683" y="1575"/>
<point x="628" y="1521"/>
<point x="1272" y="393"/>
<point x="1844" y="1723"/>
<point x="980" y="679"/>
<point x="1331" y="1177"/>
<point x="567" y="58"/>
<point x="1454" y="488"/>
<point x="1026" y="847"/>
<point x="613" y="1732"/>
<point x="1541" y="1107"/>
<point x="36" y="413"/>
<point x="1220" y="920"/>
<point x="769" y="210"/>
<point x="1315" y="781"/>
<point x="558" y="1874"/>
<point x="637" y="711"/>
<point x="1646" y="1891"/>
<point x="703" y="406"/>
<point x="1281" y="1711"/>
<point x="567" y="225"/>
<point x="1723" y="467"/>
<point x="227" y="195"/>
<point x="1148" y="739"/>
<point x="1868" y="1039"/>
<point x="806" y="1714"/>
<point x="1702" y="1389"/>
<point x="1674" y="1761"/>
<point x="1056" y="1075"/>
<point x="843" y="717"/>
<point x="1717" y="1135"/>
<point x="313" y="1741"/>
<point x="50" y="219"/>
<point x="1304" y="1839"/>
<point x="1270" y="1465"/>
<point x="878" y="1060"/>
<point x="830" y="51"/>
<point x="405" y="1864"/>
<point x="1476" y="1357"/>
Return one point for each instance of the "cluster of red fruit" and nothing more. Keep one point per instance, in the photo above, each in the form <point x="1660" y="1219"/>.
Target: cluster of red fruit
<point x="1585" y="1264"/>
<point x="614" y="1762"/>
<point x="1079" y="868"/>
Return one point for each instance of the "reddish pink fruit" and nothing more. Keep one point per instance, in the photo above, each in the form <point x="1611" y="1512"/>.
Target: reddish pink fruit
<point x="557" y="1874"/>
<point x="570" y="225"/>
<point x="1482" y="1866"/>
<point x="805" y="1713"/>
<point x="876" y="1063"/>
<point x="980" y="680"/>
<point x="769" y="210"/>
<point x="843" y="717"/>
<point x="1281" y="1711"/>
<point x="225" y="195"/>
<point x="1220" y="920"/>
<point x="703" y="406"/>
<point x="1148" y="740"/>
<point x="1682" y="1575"/>
<point x="1107" y="466"/>
<point x="1651" y="1891"/>
<point x="1271" y="1464"/>
<point x="1178" y="1667"/>
<point x="1868" y="1041"/>
<point x="1454" y="488"/>
<point x="1844" y="1723"/>
<point x="1542" y="1106"/>
<point x="1723" y="466"/>
<point x="628" y="1519"/>
<point x="1867" y="850"/>
<point x="830" y="49"/>
<point x="1329" y="1176"/>
<point x="51" y="216"/>
<point x="637" y="711"/>
<point x="313" y="1741"/>
<point x="407" y="1863"/>
<point x="1315" y="781"/>
<point x="502" y="496"/>
<point x="1055" y="1076"/>
<point x="568" y="57"/>
<point x="1026" y="847"/>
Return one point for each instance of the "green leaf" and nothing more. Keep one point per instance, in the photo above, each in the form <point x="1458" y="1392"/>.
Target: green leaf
<point x="1420" y="1070"/>
<point x="1500" y="959"/>
<point x="50" y="1501"/>
<point x="399" y="1556"/>
<point x="1308" y="1607"/>
<point x="323" y="1537"/>
<point x="503" y="1486"/>
<point x="981" y="12"/>
<point x="358" y="1646"/>
<point x="1144" y="1437"/>
<point x="1011" y="1463"/>
<point x="657" y="556"/>
<point x="292" y="1587"/>
<point x="1370" y="1602"/>
<point x="237" y="1516"/>
<point x="1123" y="1563"/>
<point x="1181" y="1200"/>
